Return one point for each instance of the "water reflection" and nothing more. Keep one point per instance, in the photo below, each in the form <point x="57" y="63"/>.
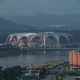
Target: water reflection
<point x="33" y="58"/>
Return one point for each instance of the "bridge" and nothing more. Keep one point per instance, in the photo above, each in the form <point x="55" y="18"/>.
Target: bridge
<point x="59" y="47"/>
<point x="48" y="49"/>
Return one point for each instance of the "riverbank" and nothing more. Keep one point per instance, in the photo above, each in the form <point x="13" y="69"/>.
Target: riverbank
<point x="58" y="70"/>
<point x="40" y="71"/>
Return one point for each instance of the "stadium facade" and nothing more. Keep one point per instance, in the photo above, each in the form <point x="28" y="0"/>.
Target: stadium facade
<point x="41" y="39"/>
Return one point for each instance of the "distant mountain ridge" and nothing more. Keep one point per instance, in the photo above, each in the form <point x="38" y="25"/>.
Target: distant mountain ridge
<point x="46" y="19"/>
<point x="41" y="22"/>
<point x="9" y="25"/>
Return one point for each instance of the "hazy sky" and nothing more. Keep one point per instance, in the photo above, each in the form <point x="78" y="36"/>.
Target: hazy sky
<point x="40" y="6"/>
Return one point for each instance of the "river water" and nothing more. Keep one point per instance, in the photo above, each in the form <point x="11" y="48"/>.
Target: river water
<point x="33" y="58"/>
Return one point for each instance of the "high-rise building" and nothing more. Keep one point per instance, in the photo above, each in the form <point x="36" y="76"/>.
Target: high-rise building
<point x="74" y="58"/>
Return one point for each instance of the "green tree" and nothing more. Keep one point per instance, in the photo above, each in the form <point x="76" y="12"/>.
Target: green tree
<point x="42" y="73"/>
<point x="12" y="73"/>
<point x="0" y="68"/>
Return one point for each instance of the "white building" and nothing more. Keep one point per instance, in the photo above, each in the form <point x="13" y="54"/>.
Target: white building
<point x="47" y="39"/>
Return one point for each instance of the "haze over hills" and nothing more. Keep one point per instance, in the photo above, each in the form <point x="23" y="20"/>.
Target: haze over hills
<point x="9" y="25"/>
<point x="42" y="22"/>
<point x="47" y="20"/>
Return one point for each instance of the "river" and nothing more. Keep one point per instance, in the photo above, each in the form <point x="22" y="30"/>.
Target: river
<point x="33" y="58"/>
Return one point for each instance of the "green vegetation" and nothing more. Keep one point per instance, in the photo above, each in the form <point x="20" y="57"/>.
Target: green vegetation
<point x="7" y="50"/>
<point x="9" y="47"/>
<point x="15" y="73"/>
<point x="42" y="73"/>
<point x="12" y="73"/>
<point x="66" y="72"/>
<point x="71" y="73"/>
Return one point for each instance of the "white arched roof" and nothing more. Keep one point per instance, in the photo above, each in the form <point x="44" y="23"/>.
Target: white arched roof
<point x="30" y="36"/>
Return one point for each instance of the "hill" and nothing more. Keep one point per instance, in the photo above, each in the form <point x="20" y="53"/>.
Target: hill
<point x="48" y="21"/>
<point x="45" y="19"/>
<point x="9" y="25"/>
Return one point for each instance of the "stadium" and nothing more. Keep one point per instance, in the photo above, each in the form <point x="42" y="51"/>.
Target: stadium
<point x="41" y="39"/>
